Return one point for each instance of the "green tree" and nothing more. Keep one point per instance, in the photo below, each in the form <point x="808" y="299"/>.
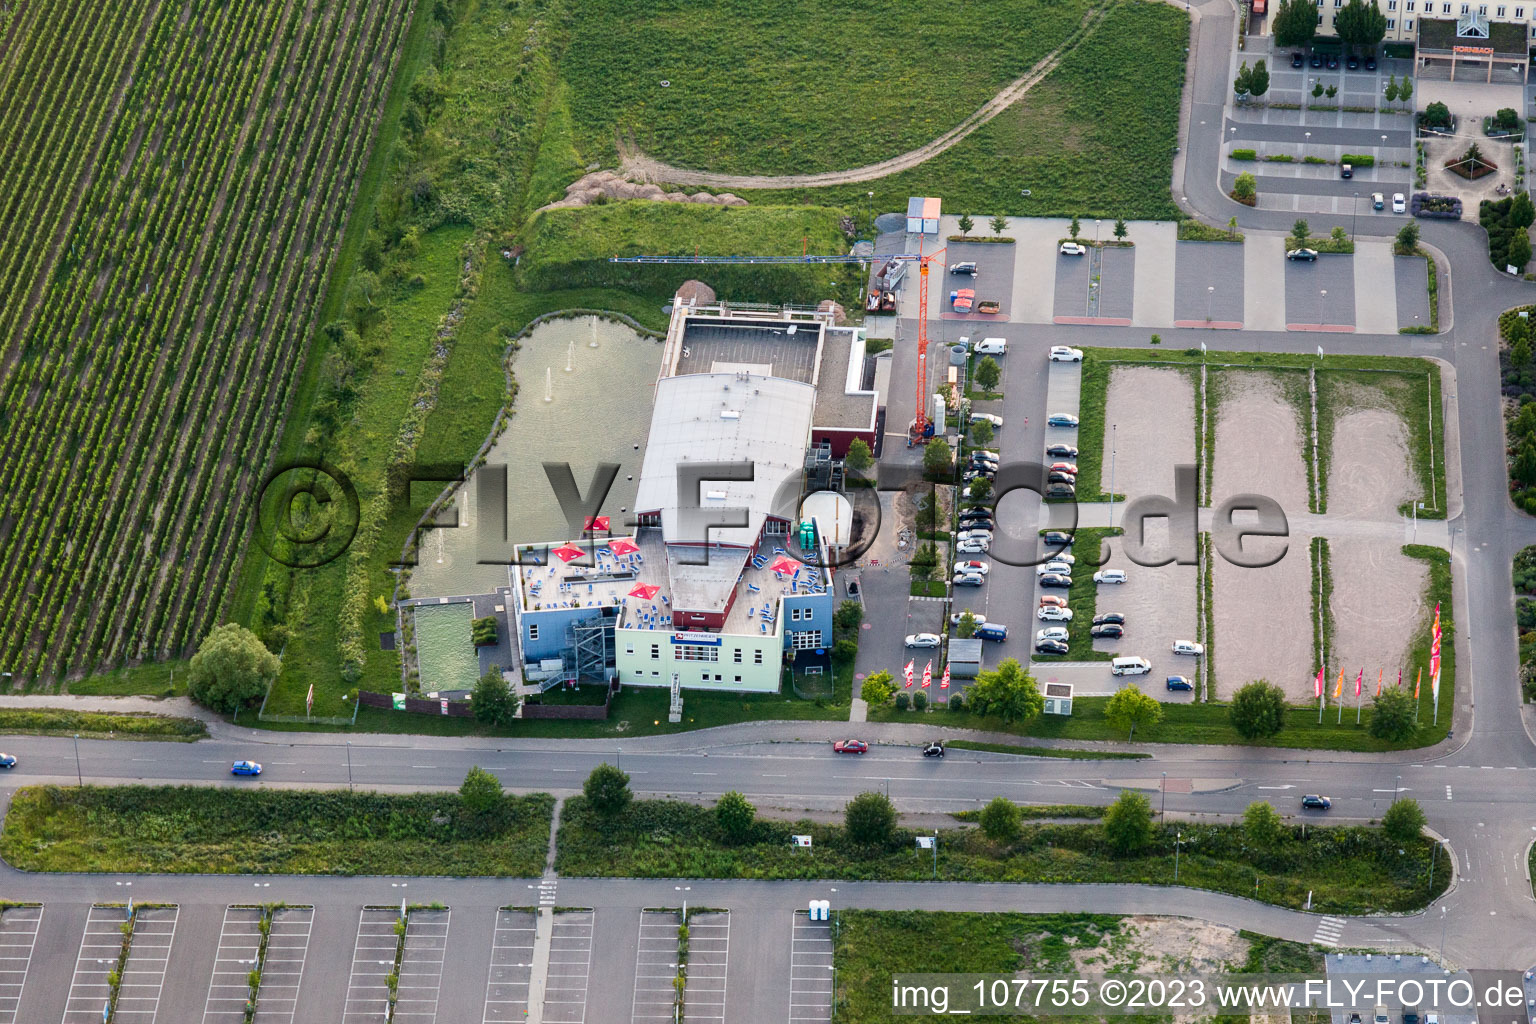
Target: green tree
<point x="966" y="224"/>
<point x="1405" y="91"/>
<point x="870" y="819"/>
<point x="607" y="790"/>
<point x="1258" y="710"/>
<point x="981" y="489"/>
<point x="1121" y="230"/>
<point x="492" y="700"/>
<point x="1294" y="23"/>
<point x="999" y="225"/>
<point x="1521" y="212"/>
<point x="1258" y="82"/>
<point x="966" y="627"/>
<point x="1390" y="92"/>
<point x="924" y="559"/>
<point x="1520" y="353"/>
<point x="849" y="615"/>
<point x="937" y="461"/>
<point x="1338" y="234"/>
<point x="1408" y="237"/>
<point x="1317" y="90"/>
<point x="1360" y="24"/>
<point x="877" y="688"/>
<point x="988" y="373"/>
<point x="1000" y="820"/>
<point x="1245" y="188"/>
<point x="1008" y="692"/>
<point x="1436" y="114"/>
<point x="231" y="668"/>
<point x="1243" y="83"/>
<point x="734" y="814"/>
<point x="1519" y="250"/>
<point x="981" y="433"/>
<point x="1392" y="715"/>
<point x="1524" y="468"/>
<point x="1232" y="221"/>
<point x="1074" y="227"/>
<point x="480" y="791"/>
<point x="859" y="457"/>
<point x="1300" y="232"/>
<point x="1331" y="91"/>
<point x="1128" y="823"/>
<point x="1262" y="826"/>
<point x="1404" y="821"/>
<point x="1130" y="708"/>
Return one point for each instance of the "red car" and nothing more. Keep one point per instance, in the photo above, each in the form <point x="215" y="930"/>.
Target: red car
<point x="850" y="747"/>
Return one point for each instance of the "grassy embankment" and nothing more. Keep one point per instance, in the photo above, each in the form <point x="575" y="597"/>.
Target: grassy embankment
<point x="99" y="725"/>
<point x="204" y="829"/>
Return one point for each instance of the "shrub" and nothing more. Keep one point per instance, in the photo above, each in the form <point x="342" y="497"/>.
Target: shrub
<point x="957" y="702"/>
<point x="1262" y="826"/>
<point x="492" y="701"/>
<point x="1258" y="710"/>
<point x="849" y="615"/>
<point x="870" y="819"/>
<point x="903" y="700"/>
<point x="1403" y="821"/>
<point x="1392" y="715"/>
<point x="1246" y="188"/>
<point x="988" y="373"/>
<point x="232" y="668"/>
<point x="920" y="700"/>
<point x="480" y="791"/>
<point x="1436" y="115"/>
<point x="1244" y="154"/>
<point x="1000" y="820"/>
<point x="877" y="688"/>
<point x="1128" y="823"/>
<point x="735" y="815"/>
<point x="1130" y="708"/>
<point x="607" y="790"/>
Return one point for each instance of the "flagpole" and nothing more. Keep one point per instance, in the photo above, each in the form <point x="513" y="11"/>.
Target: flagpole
<point x="1419" y="679"/>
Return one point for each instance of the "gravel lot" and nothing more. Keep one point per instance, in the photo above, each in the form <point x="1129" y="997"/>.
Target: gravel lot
<point x="1263" y="616"/>
<point x="1157" y="408"/>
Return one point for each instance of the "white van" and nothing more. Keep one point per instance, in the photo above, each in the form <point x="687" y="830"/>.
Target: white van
<point x="1130" y="667"/>
<point x="992" y="347"/>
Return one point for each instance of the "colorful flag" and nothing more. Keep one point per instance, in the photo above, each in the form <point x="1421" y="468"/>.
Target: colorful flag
<point x="928" y="674"/>
<point x="944" y="683"/>
<point x="1379" y="673"/>
<point x="1417" y="680"/>
<point x="1399" y="679"/>
<point x="1358" y="680"/>
<point x="908" y="673"/>
<point x="1317" y="688"/>
<point x="1338" y="688"/>
<point x="1434" y="657"/>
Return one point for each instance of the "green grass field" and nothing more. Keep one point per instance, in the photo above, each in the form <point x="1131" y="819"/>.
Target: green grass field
<point x="99" y="725"/>
<point x="204" y="829"/>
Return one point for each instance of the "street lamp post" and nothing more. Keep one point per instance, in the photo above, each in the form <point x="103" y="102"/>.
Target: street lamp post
<point x="1210" y="298"/>
<point x="1395" y="787"/>
<point x="1443" y="909"/>
<point x="1113" y="427"/>
<point x="1096" y="223"/>
<point x="79" y="779"/>
<point x="1163" y="810"/>
<point x="1308" y="143"/>
<point x="1321" y="302"/>
<point x="1178" y="838"/>
<point x="1354" y="217"/>
<point x="349" y="766"/>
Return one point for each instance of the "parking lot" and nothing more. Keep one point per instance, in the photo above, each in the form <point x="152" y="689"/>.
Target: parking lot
<point x="239" y="942"/>
<point x="993" y="279"/>
<point x="1320" y="294"/>
<point x="18" y="937"/>
<point x="1208" y="285"/>
<point x="373" y="961"/>
<point x="655" y="967"/>
<point x="709" y="947"/>
<point x="283" y="969"/>
<point x="506" y="987"/>
<point x="421" y="966"/>
<point x="810" y="970"/>
<point x="570" y="967"/>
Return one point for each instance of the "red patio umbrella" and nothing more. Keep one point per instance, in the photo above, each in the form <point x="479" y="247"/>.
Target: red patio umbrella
<point x="623" y="546"/>
<point x="644" y="591"/>
<point x="596" y="523"/>
<point x="568" y="552"/>
<point x="785" y="564"/>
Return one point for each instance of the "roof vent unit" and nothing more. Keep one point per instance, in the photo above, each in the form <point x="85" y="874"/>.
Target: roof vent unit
<point x="714" y="495"/>
<point x="792" y="329"/>
<point x="730" y="414"/>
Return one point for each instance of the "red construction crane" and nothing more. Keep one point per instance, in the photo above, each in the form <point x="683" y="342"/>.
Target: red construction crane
<point x="921" y="426"/>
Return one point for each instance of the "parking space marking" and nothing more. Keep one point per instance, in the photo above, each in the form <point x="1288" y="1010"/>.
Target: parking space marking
<point x="506" y="987"/>
<point x="138" y="996"/>
<point x="100" y="945"/>
<point x="810" y="969"/>
<point x="239" y="942"/>
<point x="283" y="968"/>
<point x="709" y="944"/>
<point x="655" y="967"/>
<point x="373" y="959"/>
<point x="18" y="935"/>
<point x="421" y="968"/>
<point x="570" y="965"/>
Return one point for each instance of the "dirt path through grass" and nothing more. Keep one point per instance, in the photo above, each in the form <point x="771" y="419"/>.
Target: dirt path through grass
<point x="636" y="165"/>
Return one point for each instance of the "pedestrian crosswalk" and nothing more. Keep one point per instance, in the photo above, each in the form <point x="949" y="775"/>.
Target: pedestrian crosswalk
<point x="1328" y="931"/>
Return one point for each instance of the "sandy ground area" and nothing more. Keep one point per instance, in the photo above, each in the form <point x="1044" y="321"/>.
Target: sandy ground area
<point x="1263" y="616"/>
<point x="1378" y="593"/>
<point x="1157" y="408"/>
<point x="1164" y="945"/>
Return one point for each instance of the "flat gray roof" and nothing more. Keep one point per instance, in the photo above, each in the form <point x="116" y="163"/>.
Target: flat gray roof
<point x="842" y="399"/>
<point x="764" y="347"/>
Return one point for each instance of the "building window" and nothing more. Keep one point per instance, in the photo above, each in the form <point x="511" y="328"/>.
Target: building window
<point x="533" y="631"/>
<point x="629" y="648"/>
<point x="1519" y="13"/>
<point x="1408" y="25"/>
<point x="1445" y="8"/>
<point x="806" y="640"/>
<point x="1501" y="11"/>
<point x="794" y="615"/>
<point x="738" y="679"/>
<point x="1466" y="8"/>
<point x="695" y="652"/>
<point x="655" y="672"/>
<point x="1391" y="5"/>
<point x="736" y="655"/>
<point x="757" y="657"/>
<point x="1410" y="6"/>
<point x="1483" y="10"/>
<point x="1391" y="23"/>
<point x="655" y="652"/>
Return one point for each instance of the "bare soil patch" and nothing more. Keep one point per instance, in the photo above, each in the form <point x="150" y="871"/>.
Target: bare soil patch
<point x="1163" y="945"/>
<point x="1378" y="593"/>
<point x="1258" y="440"/>
<point x="1157" y="408"/>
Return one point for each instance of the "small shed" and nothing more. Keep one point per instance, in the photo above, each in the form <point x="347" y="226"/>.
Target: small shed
<point x="1058" y="698"/>
<point x="964" y="659"/>
<point x="923" y="215"/>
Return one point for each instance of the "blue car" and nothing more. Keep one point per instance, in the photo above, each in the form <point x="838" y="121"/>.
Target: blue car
<point x="7" y="761"/>
<point x="245" y="768"/>
<point x="1061" y="419"/>
<point x="1180" y="683"/>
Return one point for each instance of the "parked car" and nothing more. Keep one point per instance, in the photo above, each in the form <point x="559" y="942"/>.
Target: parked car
<point x="994" y="631"/>
<point x="987" y="461"/>
<point x="1051" y="647"/>
<point x="245" y="768"/>
<point x="923" y="640"/>
<point x="992" y="347"/>
<point x="978" y="524"/>
<point x="1346" y="170"/>
<point x="984" y="454"/>
<point x="1061" y="419"/>
<point x="963" y="268"/>
<point x="1352" y="63"/>
<point x="1056" y="580"/>
<point x="985" y="535"/>
<point x="992" y="418"/>
<point x="1108" y="631"/>
<point x="1052" y="601"/>
<point x="934" y="749"/>
<point x="1308" y="255"/>
<point x="850" y="747"/>
<point x="1049" y="613"/>
<point x="1109" y="576"/>
<point x="1061" y="451"/>
<point x="1378" y="202"/>
<point x="1317" y="60"/>
<point x="1130" y="666"/>
<point x="973" y="565"/>
<point x="1109" y="619"/>
<point x="1064" y="467"/>
<point x="1313" y="802"/>
<point x="1370" y="65"/>
<point x="7" y="760"/>
<point x="1298" y="60"/>
<point x="1333" y="62"/>
<point x="1056" y="537"/>
<point x="1073" y="249"/>
<point x="968" y="579"/>
<point x="1180" y="683"/>
<point x="1065" y="354"/>
<point x="1065" y="557"/>
<point x="972" y="547"/>
<point x="1399" y="204"/>
<point x="1056" y="566"/>
<point x="1056" y="477"/>
<point x="1188" y="647"/>
<point x="1052" y="633"/>
<point x="1060" y="490"/>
